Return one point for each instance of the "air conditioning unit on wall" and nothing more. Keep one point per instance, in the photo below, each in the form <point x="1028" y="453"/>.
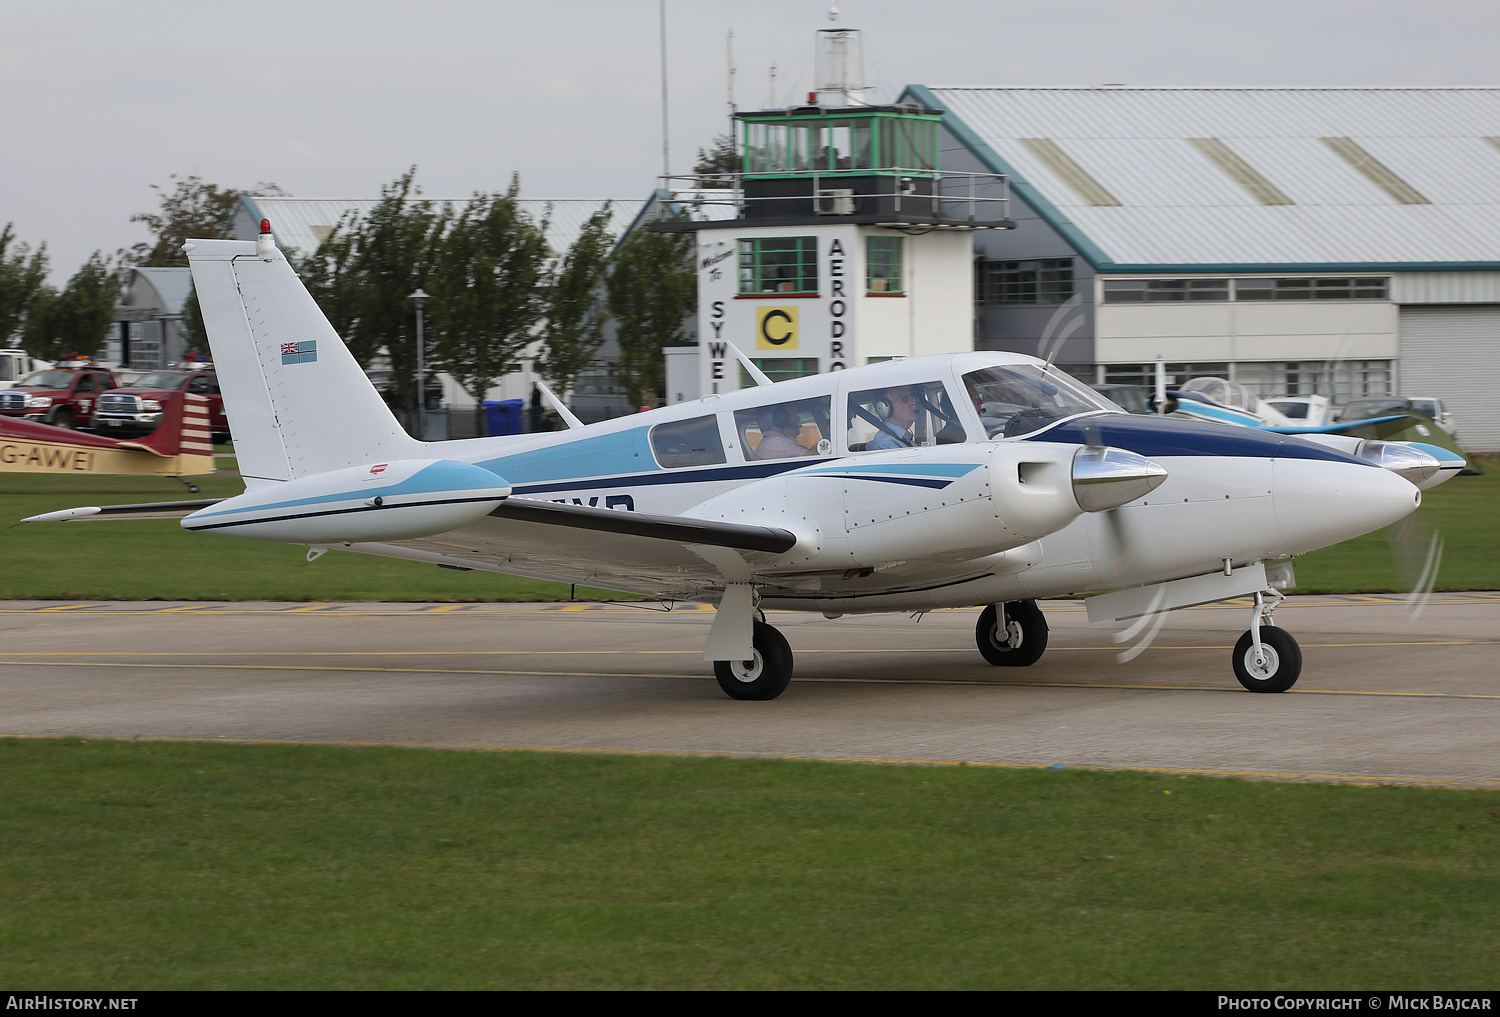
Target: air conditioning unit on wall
<point x="834" y="201"/>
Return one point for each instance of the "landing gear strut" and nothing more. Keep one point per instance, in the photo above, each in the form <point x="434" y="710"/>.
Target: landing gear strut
<point x="1013" y="634"/>
<point x="1266" y="658"/>
<point x="766" y="675"/>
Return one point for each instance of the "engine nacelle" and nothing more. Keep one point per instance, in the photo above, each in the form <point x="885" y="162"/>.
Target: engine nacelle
<point x="950" y="503"/>
<point x="377" y="502"/>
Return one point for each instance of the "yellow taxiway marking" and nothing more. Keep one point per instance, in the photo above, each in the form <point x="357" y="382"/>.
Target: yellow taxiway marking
<point x="1283" y="775"/>
<point x="352" y="609"/>
<point x="806" y="678"/>
<point x="582" y="653"/>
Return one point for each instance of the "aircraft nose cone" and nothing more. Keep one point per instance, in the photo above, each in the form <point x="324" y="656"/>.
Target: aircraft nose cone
<point x="1106" y="478"/>
<point x="1319" y="503"/>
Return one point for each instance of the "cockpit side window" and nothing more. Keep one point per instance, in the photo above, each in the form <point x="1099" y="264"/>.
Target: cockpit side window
<point x="784" y="430"/>
<point x="1019" y="399"/>
<point x="692" y="442"/>
<point x="914" y="415"/>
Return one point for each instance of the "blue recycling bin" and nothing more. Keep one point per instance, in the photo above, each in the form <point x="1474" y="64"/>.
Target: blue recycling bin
<point x="502" y="416"/>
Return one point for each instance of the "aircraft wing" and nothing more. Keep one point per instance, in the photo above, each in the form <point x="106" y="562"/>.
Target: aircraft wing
<point x="581" y="544"/>
<point x="1397" y="427"/>
<point x="674" y="529"/>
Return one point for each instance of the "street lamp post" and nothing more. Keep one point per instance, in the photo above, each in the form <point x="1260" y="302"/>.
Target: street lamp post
<point x="420" y="299"/>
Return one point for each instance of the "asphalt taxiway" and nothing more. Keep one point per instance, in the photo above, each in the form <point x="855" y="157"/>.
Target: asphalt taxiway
<point x="1389" y="693"/>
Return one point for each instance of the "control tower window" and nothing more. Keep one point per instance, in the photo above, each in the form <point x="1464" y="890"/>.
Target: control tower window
<point x="883" y="269"/>
<point x="779" y="265"/>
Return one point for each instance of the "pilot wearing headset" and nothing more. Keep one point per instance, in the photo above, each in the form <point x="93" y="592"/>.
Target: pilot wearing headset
<point x="899" y="414"/>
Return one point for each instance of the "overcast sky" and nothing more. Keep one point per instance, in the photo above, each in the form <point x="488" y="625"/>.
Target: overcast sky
<point x="103" y="99"/>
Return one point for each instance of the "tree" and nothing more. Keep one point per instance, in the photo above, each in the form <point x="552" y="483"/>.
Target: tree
<point x="192" y="209"/>
<point x="652" y="289"/>
<point x="484" y="285"/>
<point x="573" y="329"/>
<point x="721" y="157"/>
<point x="331" y="276"/>
<point x="22" y="275"/>
<point x="75" y="320"/>
<point x="370" y="268"/>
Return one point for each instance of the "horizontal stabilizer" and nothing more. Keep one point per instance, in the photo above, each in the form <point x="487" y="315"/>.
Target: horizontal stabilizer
<point x="144" y="510"/>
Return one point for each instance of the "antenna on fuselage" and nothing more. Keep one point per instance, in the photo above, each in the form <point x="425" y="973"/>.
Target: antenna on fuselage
<point x="557" y="404"/>
<point x="750" y="368"/>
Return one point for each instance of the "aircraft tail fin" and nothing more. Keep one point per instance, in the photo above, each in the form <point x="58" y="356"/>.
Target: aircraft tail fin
<point x="297" y="401"/>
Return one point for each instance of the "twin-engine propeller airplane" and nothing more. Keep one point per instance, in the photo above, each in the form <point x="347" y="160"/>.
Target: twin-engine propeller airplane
<point x="973" y="479"/>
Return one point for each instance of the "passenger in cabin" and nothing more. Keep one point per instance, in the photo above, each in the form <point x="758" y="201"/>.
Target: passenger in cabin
<point x="779" y="441"/>
<point x="898" y="412"/>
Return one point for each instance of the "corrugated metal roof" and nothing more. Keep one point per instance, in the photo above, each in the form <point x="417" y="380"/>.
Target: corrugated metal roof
<point x="172" y="285"/>
<point x="302" y="223"/>
<point x="1179" y="207"/>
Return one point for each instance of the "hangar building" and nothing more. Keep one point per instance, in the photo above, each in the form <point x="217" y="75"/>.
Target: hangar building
<point x="1330" y="240"/>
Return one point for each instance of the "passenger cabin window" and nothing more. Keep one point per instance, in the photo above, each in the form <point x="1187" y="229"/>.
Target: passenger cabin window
<point x="903" y="416"/>
<point x="692" y="442"/>
<point x="1023" y="398"/>
<point x="784" y="430"/>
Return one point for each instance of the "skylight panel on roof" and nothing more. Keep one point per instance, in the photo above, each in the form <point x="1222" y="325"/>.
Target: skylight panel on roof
<point x="1072" y="174"/>
<point x="1494" y="141"/>
<point x="1376" y="171"/>
<point x="1240" y="171"/>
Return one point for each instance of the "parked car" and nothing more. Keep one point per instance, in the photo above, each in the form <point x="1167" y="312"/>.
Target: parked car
<point x="57" y="396"/>
<point x="1385" y="406"/>
<point x="17" y="364"/>
<point x="135" y="407"/>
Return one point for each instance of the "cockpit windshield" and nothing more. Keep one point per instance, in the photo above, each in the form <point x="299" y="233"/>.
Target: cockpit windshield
<point x="1021" y="398"/>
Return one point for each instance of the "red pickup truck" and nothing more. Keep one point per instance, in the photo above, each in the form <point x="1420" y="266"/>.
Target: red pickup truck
<point x="136" y="407"/>
<point x="58" y="396"/>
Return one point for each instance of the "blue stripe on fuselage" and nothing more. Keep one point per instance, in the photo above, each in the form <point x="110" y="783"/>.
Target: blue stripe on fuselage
<point x="602" y="455"/>
<point x="1152" y="436"/>
<point x="702" y="475"/>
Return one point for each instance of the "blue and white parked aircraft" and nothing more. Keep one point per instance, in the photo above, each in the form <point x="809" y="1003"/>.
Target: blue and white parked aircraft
<point x="974" y="479"/>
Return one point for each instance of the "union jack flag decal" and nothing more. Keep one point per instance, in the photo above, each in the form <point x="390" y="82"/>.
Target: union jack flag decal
<point x="299" y="353"/>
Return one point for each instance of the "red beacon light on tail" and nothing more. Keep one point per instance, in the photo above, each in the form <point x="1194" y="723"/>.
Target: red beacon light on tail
<point x="266" y="245"/>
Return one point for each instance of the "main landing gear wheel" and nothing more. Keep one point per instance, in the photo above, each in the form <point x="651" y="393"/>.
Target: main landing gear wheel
<point x="1023" y="641"/>
<point x="1280" y="664"/>
<point x="766" y="675"/>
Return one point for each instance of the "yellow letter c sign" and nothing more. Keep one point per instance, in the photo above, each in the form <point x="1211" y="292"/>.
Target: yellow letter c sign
<point x="776" y="328"/>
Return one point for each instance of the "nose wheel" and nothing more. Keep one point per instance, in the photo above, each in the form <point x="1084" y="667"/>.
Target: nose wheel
<point x="1266" y="659"/>
<point x="1013" y="634"/>
<point x="766" y="675"/>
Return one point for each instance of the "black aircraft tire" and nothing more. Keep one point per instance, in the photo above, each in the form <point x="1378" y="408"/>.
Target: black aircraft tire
<point x="764" y="677"/>
<point x="1283" y="661"/>
<point x="1026" y="641"/>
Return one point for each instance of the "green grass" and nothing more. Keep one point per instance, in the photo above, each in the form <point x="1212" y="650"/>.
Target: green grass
<point x="157" y="559"/>
<point x="195" y="866"/>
